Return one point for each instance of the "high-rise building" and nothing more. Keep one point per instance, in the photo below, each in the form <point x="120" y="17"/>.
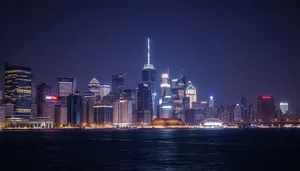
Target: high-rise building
<point x="103" y="114"/>
<point x="237" y="115"/>
<point x="48" y="106"/>
<point x="191" y="93"/>
<point x="66" y="86"/>
<point x="118" y="83"/>
<point x="148" y="77"/>
<point x="104" y="90"/>
<point x="18" y="86"/>
<point x="179" y="98"/>
<point x="61" y="115"/>
<point x="42" y="91"/>
<point x="88" y="108"/>
<point x="74" y="109"/>
<point x="144" y="103"/>
<point x="122" y="113"/>
<point x="1" y="97"/>
<point x="94" y="87"/>
<point x="284" y="107"/>
<point x="174" y="81"/>
<point x="165" y="85"/>
<point x="265" y="108"/>
<point x="211" y="101"/>
<point x="244" y="112"/>
<point x="2" y="115"/>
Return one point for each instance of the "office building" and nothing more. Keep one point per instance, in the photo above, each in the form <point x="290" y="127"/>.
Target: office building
<point x="94" y="87"/>
<point x="104" y="90"/>
<point x="131" y="95"/>
<point x="165" y="111"/>
<point x="48" y="106"/>
<point x="148" y="77"/>
<point x="211" y="101"/>
<point x="18" y="86"/>
<point x="2" y="115"/>
<point x="237" y="113"/>
<point x="265" y="108"/>
<point x="244" y="111"/>
<point x="118" y="83"/>
<point x="34" y="110"/>
<point x="1" y="97"/>
<point x="66" y="86"/>
<point x="165" y="85"/>
<point x="74" y="109"/>
<point x="122" y="113"/>
<point x="174" y="81"/>
<point x="179" y="98"/>
<point x="103" y="114"/>
<point x="144" y="104"/>
<point x="194" y="116"/>
<point x="284" y="107"/>
<point x="61" y="115"/>
<point x="191" y="93"/>
<point x="88" y="108"/>
<point x="42" y="91"/>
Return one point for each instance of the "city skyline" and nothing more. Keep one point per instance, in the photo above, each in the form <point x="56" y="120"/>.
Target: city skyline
<point x="219" y="62"/>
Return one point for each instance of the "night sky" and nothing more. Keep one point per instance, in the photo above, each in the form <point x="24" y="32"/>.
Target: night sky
<point x="227" y="49"/>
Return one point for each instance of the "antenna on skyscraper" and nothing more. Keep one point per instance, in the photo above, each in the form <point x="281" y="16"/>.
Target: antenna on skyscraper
<point x="148" y="51"/>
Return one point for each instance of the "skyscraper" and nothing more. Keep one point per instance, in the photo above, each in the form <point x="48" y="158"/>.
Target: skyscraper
<point x="244" y="113"/>
<point x="148" y="77"/>
<point x="284" y="107"/>
<point x="66" y="86"/>
<point x="237" y="113"/>
<point x="103" y="114"/>
<point x="165" y="85"/>
<point x="104" y="90"/>
<point x="18" y="86"/>
<point x="42" y="91"/>
<point x="211" y="101"/>
<point x="74" y="109"/>
<point x="144" y="103"/>
<point x="191" y="93"/>
<point x="94" y="87"/>
<point x="122" y="113"/>
<point x="118" y="83"/>
<point x="265" y="108"/>
<point x="179" y="97"/>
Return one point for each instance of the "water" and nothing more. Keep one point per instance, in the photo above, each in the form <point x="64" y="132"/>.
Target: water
<point x="150" y="149"/>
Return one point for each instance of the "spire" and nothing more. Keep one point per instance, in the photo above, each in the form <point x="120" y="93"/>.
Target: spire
<point x="148" y="51"/>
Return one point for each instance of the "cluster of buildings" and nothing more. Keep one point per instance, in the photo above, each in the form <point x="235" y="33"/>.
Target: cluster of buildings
<point x="177" y="101"/>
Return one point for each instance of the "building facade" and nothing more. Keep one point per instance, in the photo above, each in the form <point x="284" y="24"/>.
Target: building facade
<point x="74" y="109"/>
<point x="94" y="87"/>
<point x="42" y="91"/>
<point x="104" y="90"/>
<point x="118" y="83"/>
<point x="103" y="114"/>
<point x="66" y="86"/>
<point x="122" y="113"/>
<point x="18" y="87"/>
<point x="191" y="93"/>
<point x="144" y="103"/>
<point x="284" y="107"/>
<point x="265" y="108"/>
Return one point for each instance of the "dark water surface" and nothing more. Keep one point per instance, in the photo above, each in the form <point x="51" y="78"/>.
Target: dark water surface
<point x="150" y="149"/>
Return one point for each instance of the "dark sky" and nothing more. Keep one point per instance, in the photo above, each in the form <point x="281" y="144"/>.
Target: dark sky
<point x="227" y="49"/>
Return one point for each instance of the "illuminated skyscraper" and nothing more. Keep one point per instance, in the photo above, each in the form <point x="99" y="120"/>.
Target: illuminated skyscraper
<point x="122" y="113"/>
<point x="74" y="109"/>
<point x="284" y="107"/>
<point x="148" y="77"/>
<point x="94" y="87"/>
<point x="211" y="101"/>
<point x="165" y="85"/>
<point x="66" y="86"/>
<point x="42" y="91"/>
<point x="191" y="93"/>
<point x="265" y="108"/>
<point x="118" y="84"/>
<point x="179" y="97"/>
<point x="237" y="113"/>
<point x="18" y="86"/>
<point x="244" y="113"/>
<point x="104" y="90"/>
<point x="144" y="104"/>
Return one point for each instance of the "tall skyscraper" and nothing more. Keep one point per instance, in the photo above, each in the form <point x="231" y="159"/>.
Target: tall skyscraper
<point x="122" y="113"/>
<point x="118" y="84"/>
<point x="265" y="108"/>
<point x="237" y="113"/>
<point x="66" y="86"/>
<point x="148" y="77"/>
<point x="179" y="98"/>
<point x="144" y="103"/>
<point x="104" y="90"/>
<point x="103" y="114"/>
<point x="42" y="91"/>
<point x="284" y="107"/>
<point x="191" y="93"/>
<point x="244" y="113"/>
<point x="1" y="97"/>
<point x="74" y="109"/>
<point x="94" y="87"/>
<point x="165" y="85"/>
<point x="211" y="101"/>
<point x="18" y="86"/>
<point x="48" y="106"/>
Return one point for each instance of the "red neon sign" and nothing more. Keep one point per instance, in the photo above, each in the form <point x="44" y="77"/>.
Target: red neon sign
<point x="266" y="97"/>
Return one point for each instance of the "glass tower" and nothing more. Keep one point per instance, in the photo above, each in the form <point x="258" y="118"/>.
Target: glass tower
<point x="18" y="86"/>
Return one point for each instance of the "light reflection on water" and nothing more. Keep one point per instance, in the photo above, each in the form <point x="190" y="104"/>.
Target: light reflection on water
<point x="165" y="149"/>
